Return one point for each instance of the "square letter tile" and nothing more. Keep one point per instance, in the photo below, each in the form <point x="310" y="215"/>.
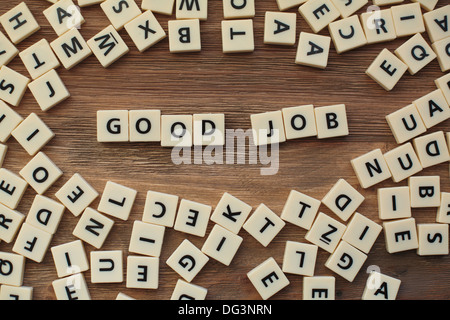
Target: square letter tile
<point x="347" y="34"/>
<point x="76" y="194"/>
<point x="300" y="258"/>
<point x="403" y="162"/>
<point x="160" y="208"/>
<point x="146" y="239"/>
<point x="386" y="69"/>
<point x="371" y="168"/>
<point x="70" y="258"/>
<point x="32" y="242"/>
<point x="313" y="50"/>
<point x="381" y="287"/>
<point x="192" y="218"/>
<point x="406" y="123"/>
<point x="408" y="19"/>
<point x="433" y="108"/>
<point x="325" y="232"/>
<point x="41" y="173"/>
<point x="319" y="288"/>
<point x="343" y="199"/>
<point x="19" y="23"/>
<point x="10" y="222"/>
<point x="71" y="48"/>
<point x="416" y="53"/>
<point x="32" y="134"/>
<point x="107" y="266"/>
<point x="39" y="59"/>
<point x="237" y="36"/>
<point x="361" y="232"/>
<point x="300" y="209"/>
<point x="63" y="16"/>
<point x="120" y="12"/>
<point x="45" y="213"/>
<point x="433" y="239"/>
<point x="222" y="245"/>
<point x="264" y="225"/>
<point x="93" y="228"/>
<point x="319" y="13"/>
<point x="184" y="35"/>
<point x="187" y="260"/>
<point x="346" y="261"/>
<point x="299" y="122"/>
<point x="432" y="149"/>
<point x="400" y="235"/>
<point x="188" y="291"/>
<point x="108" y="46"/>
<point x="378" y="26"/>
<point x="279" y="28"/>
<point x="268" y="128"/>
<point x="231" y="213"/>
<point x="145" y="125"/>
<point x="425" y="191"/>
<point x="12" y="188"/>
<point x="112" y="126"/>
<point x="145" y="31"/>
<point x="268" y="278"/>
<point x="394" y="203"/>
<point x="12" y="86"/>
<point x="117" y="200"/>
<point x="142" y="272"/>
<point x="49" y="90"/>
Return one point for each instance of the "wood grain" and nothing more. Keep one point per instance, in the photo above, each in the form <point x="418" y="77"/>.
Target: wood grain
<point x="237" y="85"/>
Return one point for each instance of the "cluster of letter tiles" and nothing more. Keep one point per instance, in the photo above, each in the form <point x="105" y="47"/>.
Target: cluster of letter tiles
<point x="348" y="245"/>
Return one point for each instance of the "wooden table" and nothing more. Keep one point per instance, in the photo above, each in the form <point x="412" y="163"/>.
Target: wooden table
<point x="237" y="85"/>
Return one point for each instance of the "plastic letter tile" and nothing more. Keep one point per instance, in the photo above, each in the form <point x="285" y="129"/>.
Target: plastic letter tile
<point x="443" y="83"/>
<point x="39" y="59"/>
<point x="268" y="128"/>
<point x="416" y="53"/>
<point x="184" y="35"/>
<point x="386" y="69"/>
<point x="425" y="191"/>
<point x="120" y="12"/>
<point x="117" y="200"/>
<point x="13" y="268"/>
<point x="160" y="208"/>
<point x="343" y="199"/>
<point x="190" y="9"/>
<point x="93" y="228"/>
<point x="432" y="149"/>
<point x="12" y="188"/>
<point x="433" y="108"/>
<point x="361" y="232"/>
<point x="300" y="209"/>
<point x="371" y="168"/>
<point x="157" y="6"/>
<point x="188" y="291"/>
<point x="231" y="213"/>
<point x="192" y="218"/>
<point x="16" y="293"/>
<point x="145" y="31"/>
<point x="408" y="19"/>
<point x="9" y="121"/>
<point x="346" y="261"/>
<point x="280" y="28"/>
<point x="41" y="173"/>
<point x="8" y="51"/>
<point x="63" y="16"/>
<point x="403" y="162"/>
<point x="233" y="9"/>
<point x="325" y="232"/>
<point x="268" y="278"/>
<point x="436" y="23"/>
<point x="70" y="258"/>
<point x="108" y="46"/>
<point x="145" y="125"/>
<point x="209" y="129"/>
<point x="406" y="123"/>
<point x="442" y="50"/>
<point x="19" y="23"/>
<point x="187" y="260"/>
<point x="331" y="121"/>
<point x="394" y="203"/>
<point x="264" y="225"/>
<point x="238" y="36"/>
<point x="299" y="122"/>
<point x="112" y="126"/>
<point x="284" y="5"/>
<point x="142" y="272"/>
<point x="347" y="34"/>
<point x="76" y="194"/>
<point x="319" y="288"/>
<point x="378" y="26"/>
<point x="71" y="48"/>
<point x="146" y="239"/>
<point x="12" y="86"/>
<point x="400" y="235"/>
<point x="32" y="242"/>
<point x="32" y="134"/>
<point x="313" y="50"/>
<point x="381" y="287"/>
<point x="176" y="130"/>
<point x="45" y="213"/>
<point x="107" y="266"/>
<point x="49" y="90"/>
<point x="222" y="245"/>
<point x="10" y="222"/>
<point x="443" y="211"/>
<point x="319" y="13"/>
<point x="299" y="258"/>
<point x="433" y="239"/>
<point x="73" y="287"/>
